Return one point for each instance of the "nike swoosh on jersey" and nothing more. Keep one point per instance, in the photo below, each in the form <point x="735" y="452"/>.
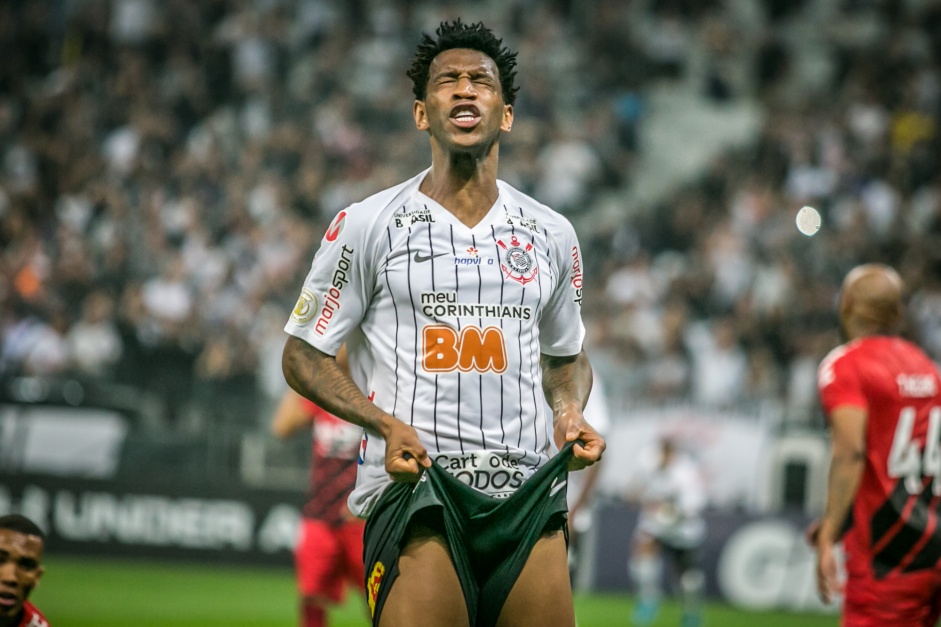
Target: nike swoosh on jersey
<point x="420" y="258"/>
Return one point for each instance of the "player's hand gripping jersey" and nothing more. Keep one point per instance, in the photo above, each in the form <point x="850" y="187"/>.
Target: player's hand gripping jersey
<point x="894" y="519"/>
<point x="445" y="324"/>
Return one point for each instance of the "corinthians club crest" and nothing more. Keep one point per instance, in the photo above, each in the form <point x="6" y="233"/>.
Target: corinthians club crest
<point x="519" y="263"/>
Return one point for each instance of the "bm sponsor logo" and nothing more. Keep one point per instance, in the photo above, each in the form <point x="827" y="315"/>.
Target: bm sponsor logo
<point x="471" y="349"/>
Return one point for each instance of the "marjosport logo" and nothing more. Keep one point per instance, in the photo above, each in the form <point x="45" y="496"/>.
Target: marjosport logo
<point x="331" y="298"/>
<point x="445" y="349"/>
<point x="577" y="275"/>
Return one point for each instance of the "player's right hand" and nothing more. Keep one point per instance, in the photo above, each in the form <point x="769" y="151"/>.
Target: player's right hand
<point x="828" y="578"/>
<point x="812" y="532"/>
<point x="406" y="458"/>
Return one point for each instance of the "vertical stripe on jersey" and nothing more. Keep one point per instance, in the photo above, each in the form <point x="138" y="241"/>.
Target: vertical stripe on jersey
<point x="457" y="290"/>
<point x="535" y="366"/>
<point x="480" y="376"/>
<point x="499" y="272"/>
<point x="519" y="342"/>
<point x="434" y="411"/>
<point x="411" y="299"/>
<point x="395" y="310"/>
<point x="549" y="424"/>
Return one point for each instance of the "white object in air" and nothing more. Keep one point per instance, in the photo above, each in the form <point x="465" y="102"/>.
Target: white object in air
<point x="808" y="221"/>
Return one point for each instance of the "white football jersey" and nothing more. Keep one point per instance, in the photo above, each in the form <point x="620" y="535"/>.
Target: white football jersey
<point x="673" y="500"/>
<point x="444" y="326"/>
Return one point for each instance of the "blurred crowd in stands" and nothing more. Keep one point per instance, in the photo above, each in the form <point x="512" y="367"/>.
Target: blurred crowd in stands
<point x="168" y="167"/>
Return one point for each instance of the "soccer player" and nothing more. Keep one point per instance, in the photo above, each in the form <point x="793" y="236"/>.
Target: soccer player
<point x="882" y="398"/>
<point x="459" y="301"/>
<point x="329" y="551"/>
<point x="21" y="547"/>
<point x="671" y="526"/>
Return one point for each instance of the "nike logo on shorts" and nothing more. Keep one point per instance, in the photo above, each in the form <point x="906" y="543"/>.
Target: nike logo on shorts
<point x="419" y="258"/>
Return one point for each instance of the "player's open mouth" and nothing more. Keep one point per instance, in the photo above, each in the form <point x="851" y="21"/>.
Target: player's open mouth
<point x="8" y="599"/>
<point x="465" y="116"/>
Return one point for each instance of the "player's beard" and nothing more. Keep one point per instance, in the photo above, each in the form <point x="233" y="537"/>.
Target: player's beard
<point x="459" y="152"/>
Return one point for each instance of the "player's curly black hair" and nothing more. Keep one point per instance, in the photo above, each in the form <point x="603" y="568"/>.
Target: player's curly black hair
<point x="21" y="524"/>
<point x="456" y="34"/>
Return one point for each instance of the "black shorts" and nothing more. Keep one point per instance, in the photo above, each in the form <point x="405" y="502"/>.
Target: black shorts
<point x="683" y="558"/>
<point x="490" y="539"/>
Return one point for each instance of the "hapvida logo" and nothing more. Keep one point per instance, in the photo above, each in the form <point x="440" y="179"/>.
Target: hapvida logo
<point x="472" y="258"/>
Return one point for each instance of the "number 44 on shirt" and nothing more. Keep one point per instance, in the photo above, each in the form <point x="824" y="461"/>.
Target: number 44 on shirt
<point x="907" y="460"/>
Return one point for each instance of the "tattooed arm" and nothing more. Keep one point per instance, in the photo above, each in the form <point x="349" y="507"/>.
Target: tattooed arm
<point x="317" y="376"/>
<point x="566" y="382"/>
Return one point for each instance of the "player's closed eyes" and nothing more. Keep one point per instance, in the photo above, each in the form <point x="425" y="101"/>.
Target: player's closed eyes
<point x="25" y="564"/>
<point x="482" y="80"/>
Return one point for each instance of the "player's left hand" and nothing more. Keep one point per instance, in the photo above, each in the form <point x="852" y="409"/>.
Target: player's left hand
<point x="589" y="446"/>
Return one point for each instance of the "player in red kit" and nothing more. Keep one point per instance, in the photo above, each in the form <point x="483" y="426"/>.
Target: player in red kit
<point x="882" y="398"/>
<point x="22" y="544"/>
<point x="329" y="551"/>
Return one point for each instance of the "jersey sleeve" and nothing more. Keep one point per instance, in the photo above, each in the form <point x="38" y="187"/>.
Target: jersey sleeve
<point x="838" y="383"/>
<point x="561" y="330"/>
<point x="338" y="286"/>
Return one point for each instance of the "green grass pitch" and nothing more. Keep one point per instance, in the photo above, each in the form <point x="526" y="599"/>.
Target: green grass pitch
<point x="110" y="593"/>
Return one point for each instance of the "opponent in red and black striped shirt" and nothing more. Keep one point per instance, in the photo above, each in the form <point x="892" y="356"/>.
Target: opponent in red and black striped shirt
<point x="329" y="550"/>
<point x="882" y="398"/>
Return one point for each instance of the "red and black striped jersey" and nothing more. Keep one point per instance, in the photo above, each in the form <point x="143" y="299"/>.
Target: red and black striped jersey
<point x="894" y="520"/>
<point x="335" y="444"/>
<point x="32" y="617"/>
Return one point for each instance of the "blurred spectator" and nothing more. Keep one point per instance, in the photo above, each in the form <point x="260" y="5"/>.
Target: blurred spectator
<point x="719" y="364"/>
<point x="570" y="166"/>
<point x="670" y="528"/>
<point x="94" y="343"/>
